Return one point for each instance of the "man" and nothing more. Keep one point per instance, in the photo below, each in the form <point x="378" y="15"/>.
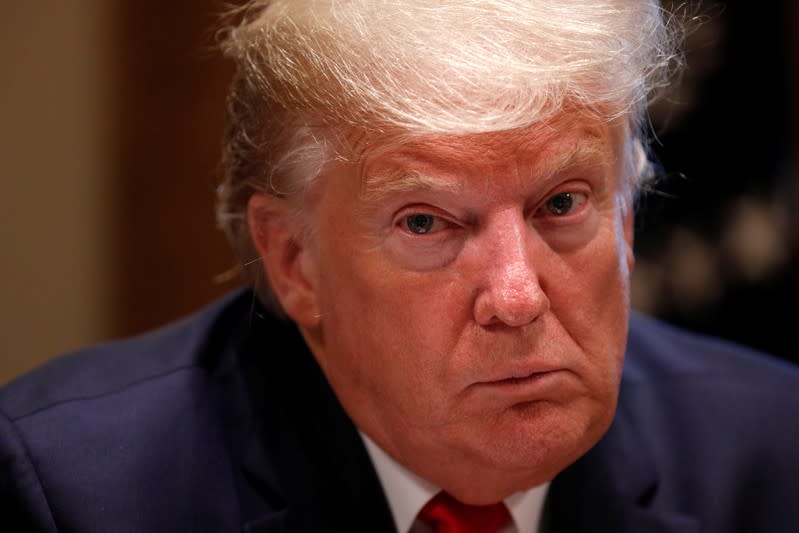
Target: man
<point x="437" y="199"/>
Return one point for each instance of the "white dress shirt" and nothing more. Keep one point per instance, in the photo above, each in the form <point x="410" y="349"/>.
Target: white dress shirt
<point x="407" y="493"/>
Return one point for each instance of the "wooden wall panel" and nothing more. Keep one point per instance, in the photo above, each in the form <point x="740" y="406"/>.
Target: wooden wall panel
<point x="172" y="85"/>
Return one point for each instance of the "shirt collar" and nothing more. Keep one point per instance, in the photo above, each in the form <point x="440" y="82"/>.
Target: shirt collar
<point x="407" y="493"/>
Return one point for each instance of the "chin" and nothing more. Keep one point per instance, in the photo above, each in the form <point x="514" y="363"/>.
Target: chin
<point x="539" y="441"/>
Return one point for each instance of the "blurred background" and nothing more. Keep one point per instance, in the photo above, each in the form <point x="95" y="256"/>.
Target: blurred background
<point x="112" y="113"/>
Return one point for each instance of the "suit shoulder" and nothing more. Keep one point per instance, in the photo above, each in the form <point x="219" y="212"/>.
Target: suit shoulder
<point x="705" y="397"/>
<point x="192" y="342"/>
<point x="162" y="411"/>
<point x="656" y="349"/>
<point x="719" y="423"/>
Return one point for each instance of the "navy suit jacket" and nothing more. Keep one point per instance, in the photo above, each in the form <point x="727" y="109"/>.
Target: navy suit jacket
<point x="223" y="422"/>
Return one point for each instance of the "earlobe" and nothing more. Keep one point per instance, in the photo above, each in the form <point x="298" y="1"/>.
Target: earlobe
<point x="288" y="259"/>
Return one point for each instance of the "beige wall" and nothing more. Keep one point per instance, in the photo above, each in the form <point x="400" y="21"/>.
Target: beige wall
<point x="55" y="104"/>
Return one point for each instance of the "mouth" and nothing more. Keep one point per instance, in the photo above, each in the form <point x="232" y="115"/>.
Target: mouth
<point x="521" y="379"/>
<point x="521" y="373"/>
<point x="519" y="387"/>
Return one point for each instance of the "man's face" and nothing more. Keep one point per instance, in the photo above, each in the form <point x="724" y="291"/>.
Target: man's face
<point x="472" y="297"/>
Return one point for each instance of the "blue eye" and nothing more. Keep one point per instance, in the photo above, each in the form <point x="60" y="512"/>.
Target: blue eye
<point x="560" y="204"/>
<point x="420" y="223"/>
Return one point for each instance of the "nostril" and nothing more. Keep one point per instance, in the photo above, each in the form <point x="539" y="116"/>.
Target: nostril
<point x="512" y="306"/>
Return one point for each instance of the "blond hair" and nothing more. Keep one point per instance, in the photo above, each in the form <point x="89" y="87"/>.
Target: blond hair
<point x="308" y="67"/>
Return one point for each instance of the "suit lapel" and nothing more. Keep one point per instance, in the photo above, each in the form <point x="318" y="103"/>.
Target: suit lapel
<point x="305" y="459"/>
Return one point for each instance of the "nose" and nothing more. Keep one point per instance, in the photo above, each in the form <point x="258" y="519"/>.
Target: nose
<point x="510" y="291"/>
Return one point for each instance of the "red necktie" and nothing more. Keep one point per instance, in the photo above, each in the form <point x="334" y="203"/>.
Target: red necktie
<point x="445" y="514"/>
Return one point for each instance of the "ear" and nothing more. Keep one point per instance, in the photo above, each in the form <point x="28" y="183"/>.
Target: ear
<point x="628" y="224"/>
<point x="290" y="262"/>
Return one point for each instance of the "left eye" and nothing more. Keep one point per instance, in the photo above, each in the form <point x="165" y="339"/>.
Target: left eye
<point x="563" y="203"/>
<point x="420" y="223"/>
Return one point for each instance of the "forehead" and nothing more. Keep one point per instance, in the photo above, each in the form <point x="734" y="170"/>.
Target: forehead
<point x="537" y="151"/>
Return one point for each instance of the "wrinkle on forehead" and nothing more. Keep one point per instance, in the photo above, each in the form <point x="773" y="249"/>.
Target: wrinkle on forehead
<point x="545" y="150"/>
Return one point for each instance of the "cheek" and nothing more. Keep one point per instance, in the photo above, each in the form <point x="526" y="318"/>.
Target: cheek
<point x="599" y="272"/>
<point x="592" y="303"/>
<point x="393" y="327"/>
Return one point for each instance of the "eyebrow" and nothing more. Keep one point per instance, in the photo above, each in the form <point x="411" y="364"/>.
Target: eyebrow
<point x="380" y="186"/>
<point x="586" y="151"/>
